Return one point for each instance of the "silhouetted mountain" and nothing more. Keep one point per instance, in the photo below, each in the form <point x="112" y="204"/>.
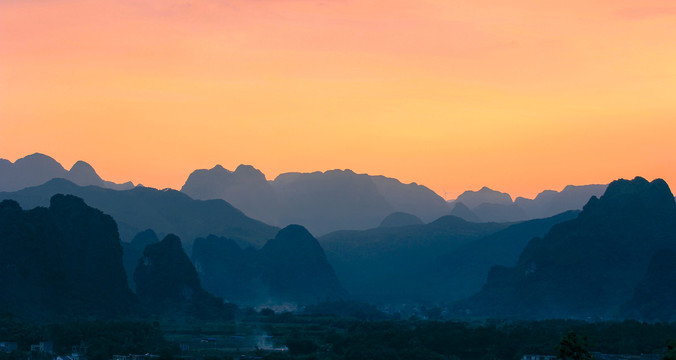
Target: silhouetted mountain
<point x="61" y="262"/>
<point x="133" y="251"/>
<point x="246" y="188"/>
<point x="388" y="264"/>
<point x="37" y="169"/>
<point x="589" y="266"/>
<point x="472" y="199"/>
<point x="322" y="201"/>
<point x="227" y="270"/>
<point x="462" y="211"/>
<point x="499" y="212"/>
<point x="295" y="267"/>
<point x="490" y="205"/>
<point x="549" y="202"/>
<point x="655" y="296"/>
<point x="411" y="198"/>
<point x="329" y="201"/>
<point x="397" y="219"/>
<point x="165" y="211"/>
<point x="290" y="267"/>
<point x="463" y="272"/>
<point x="167" y="283"/>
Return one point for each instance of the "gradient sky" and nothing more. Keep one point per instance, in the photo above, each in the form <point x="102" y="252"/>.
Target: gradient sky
<point x="520" y="96"/>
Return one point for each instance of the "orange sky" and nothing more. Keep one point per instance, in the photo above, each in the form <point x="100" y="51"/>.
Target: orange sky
<point x="454" y="95"/>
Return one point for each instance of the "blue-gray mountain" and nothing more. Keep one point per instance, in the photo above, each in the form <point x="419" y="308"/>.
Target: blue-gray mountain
<point x="37" y="169"/>
<point x="321" y="201"/>
<point x="167" y="283"/>
<point x="389" y="264"/>
<point x="133" y="251"/>
<point x="591" y="266"/>
<point x="438" y="262"/>
<point x="491" y="205"/>
<point x="290" y="267"/>
<point x="165" y="211"/>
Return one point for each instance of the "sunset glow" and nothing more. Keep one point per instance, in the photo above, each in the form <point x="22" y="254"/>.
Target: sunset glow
<point x="454" y="95"/>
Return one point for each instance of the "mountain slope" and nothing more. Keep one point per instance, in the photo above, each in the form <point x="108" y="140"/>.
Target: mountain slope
<point x="390" y="263"/>
<point x="60" y="262"/>
<point x="167" y="283"/>
<point x="290" y="267"/>
<point x="165" y="211"/>
<point x="463" y="271"/>
<point x="321" y="201"/>
<point x="655" y="296"/>
<point x="245" y="188"/>
<point x="589" y="266"/>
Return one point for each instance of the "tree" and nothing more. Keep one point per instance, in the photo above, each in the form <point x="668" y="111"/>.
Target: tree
<point x="571" y="347"/>
<point x="670" y="354"/>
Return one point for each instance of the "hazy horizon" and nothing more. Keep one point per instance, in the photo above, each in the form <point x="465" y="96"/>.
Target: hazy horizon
<point x="455" y="96"/>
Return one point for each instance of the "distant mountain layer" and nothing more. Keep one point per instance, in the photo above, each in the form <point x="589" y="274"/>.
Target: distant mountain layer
<point x="462" y="272"/>
<point x="597" y="265"/>
<point x="391" y="264"/>
<point x="165" y="211"/>
<point x="321" y="201"/>
<point x="37" y="169"/>
<point x="61" y="262"/>
<point x="490" y="205"/>
<point x="290" y="267"/>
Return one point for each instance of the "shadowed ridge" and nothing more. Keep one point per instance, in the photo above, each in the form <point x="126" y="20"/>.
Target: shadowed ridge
<point x="295" y="266"/>
<point x="588" y="266"/>
<point x="81" y="173"/>
<point x="398" y="219"/>
<point x="167" y="283"/>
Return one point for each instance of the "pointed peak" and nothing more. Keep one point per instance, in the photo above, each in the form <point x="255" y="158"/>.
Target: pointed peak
<point x="82" y="165"/>
<point x="220" y="168"/>
<point x="294" y="231"/>
<point x="172" y="241"/>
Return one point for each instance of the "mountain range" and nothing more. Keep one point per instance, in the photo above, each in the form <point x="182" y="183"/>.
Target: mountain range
<point x="490" y="205"/>
<point x="291" y="267"/>
<point x="322" y="201"/>
<point x="608" y="262"/>
<point x="37" y="169"/>
<point x="164" y="211"/>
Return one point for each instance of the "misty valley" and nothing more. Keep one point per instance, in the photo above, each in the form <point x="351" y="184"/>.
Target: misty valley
<point x="330" y="265"/>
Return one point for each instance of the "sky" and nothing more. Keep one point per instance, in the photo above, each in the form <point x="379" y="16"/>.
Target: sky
<point x="519" y="96"/>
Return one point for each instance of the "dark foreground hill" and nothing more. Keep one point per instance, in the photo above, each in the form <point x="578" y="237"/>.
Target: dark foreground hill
<point x="167" y="283"/>
<point x="133" y="251"/>
<point x="591" y="266"/>
<point x="165" y="211"/>
<point x="290" y="267"/>
<point x="61" y="262"/>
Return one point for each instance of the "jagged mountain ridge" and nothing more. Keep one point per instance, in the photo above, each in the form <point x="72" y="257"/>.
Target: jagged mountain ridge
<point x="390" y="263"/>
<point x="290" y="267"/>
<point x="167" y="282"/>
<point x="321" y="201"/>
<point x="165" y="211"/>
<point x="589" y="266"/>
<point x="490" y="205"/>
<point x="37" y="169"/>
